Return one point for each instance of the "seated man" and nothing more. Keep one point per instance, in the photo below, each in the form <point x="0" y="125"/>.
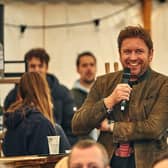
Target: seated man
<point x="86" y="153"/>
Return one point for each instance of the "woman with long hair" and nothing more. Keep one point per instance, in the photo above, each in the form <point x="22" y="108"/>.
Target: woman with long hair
<point x="29" y="120"/>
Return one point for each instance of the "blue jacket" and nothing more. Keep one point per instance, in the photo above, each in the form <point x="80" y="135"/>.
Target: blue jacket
<point x="62" y="101"/>
<point x="26" y="134"/>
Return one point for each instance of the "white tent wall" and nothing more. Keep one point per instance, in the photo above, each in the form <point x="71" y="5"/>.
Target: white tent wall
<point x="160" y="37"/>
<point x="63" y="44"/>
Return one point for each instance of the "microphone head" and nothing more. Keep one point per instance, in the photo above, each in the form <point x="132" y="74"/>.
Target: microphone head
<point x="126" y="73"/>
<point x="125" y="79"/>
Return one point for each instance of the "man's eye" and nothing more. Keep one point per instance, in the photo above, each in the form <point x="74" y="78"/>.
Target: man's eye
<point x="127" y="52"/>
<point x="139" y="51"/>
<point x="77" y="166"/>
<point x="92" y="65"/>
<point x="32" y="66"/>
<point x="84" y="65"/>
<point x="94" y="166"/>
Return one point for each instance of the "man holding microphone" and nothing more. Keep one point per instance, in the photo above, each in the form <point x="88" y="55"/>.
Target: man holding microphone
<point x="133" y="133"/>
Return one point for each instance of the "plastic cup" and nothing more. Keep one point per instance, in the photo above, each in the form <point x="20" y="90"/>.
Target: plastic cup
<point x="53" y="143"/>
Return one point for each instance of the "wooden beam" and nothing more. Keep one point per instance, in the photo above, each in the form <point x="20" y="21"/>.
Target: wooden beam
<point x="146" y="14"/>
<point x="9" y="80"/>
<point x="107" y="67"/>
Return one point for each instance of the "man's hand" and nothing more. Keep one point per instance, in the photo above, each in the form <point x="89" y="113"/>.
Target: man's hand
<point x="121" y="92"/>
<point x="106" y="126"/>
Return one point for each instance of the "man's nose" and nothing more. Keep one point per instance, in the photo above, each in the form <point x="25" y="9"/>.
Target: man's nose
<point x="133" y="55"/>
<point x="85" y="166"/>
<point x="36" y="69"/>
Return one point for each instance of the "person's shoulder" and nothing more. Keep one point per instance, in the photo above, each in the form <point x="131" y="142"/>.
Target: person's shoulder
<point x="39" y="122"/>
<point x="110" y="77"/>
<point x="64" y="88"/>
<point x="75" y="91"/>
<point x="159" y="76"/>
<point x="58" y="90"/>
<point x="52" y="80"/>
<point x="37" y="117"/>
<point x="58" y="129"/>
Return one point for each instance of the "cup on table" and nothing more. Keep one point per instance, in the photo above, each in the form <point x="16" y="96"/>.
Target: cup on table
<point x="67" y="151"/>
<point x="53" y="143"/>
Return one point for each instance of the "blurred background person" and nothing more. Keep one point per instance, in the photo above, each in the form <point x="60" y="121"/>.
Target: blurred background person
<point x="88" y="153"/>
<point x="37" y="60"/>
<point x="29" y="120"/>
<point x="86" y="66"/>
<point x="85" y="154"/>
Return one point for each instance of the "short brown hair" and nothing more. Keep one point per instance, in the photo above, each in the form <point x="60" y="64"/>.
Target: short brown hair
<point x="80" y="55"/>
<point x="135" y="31"/>
<point x="87" y="143"/>
<point x="39" y="53"/>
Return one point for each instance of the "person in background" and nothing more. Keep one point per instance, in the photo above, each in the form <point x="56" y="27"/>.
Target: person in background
<point x="86" y="68"/>
<point x="29" y="120"/>
<point x="161" y="161"/>
<point x="88" y="154"/>
<point x="85" y="154"/>
<point x="37" y="60"/>
<point x="130" y="106"/>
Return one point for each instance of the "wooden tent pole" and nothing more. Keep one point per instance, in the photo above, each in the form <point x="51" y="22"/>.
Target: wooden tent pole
<point x="146" y="14"/>
<point x="107" y="67"/>
<point x="43" y="22"/>
<point x="116" y="67"/>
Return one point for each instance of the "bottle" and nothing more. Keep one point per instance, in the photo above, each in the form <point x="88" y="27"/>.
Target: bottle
<point x="1" y="130"/>
<point x="1" y="60"/>
<point x="1" y="119"/>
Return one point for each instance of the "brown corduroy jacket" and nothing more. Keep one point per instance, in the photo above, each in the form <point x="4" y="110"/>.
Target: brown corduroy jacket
<point x="147" y="111"/>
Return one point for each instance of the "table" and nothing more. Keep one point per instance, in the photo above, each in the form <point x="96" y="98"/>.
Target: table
<point x="31" y="161"/>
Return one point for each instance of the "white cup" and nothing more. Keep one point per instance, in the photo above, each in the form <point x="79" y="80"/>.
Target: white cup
<point x="53" y="143"/>
<point x="67" y="151"/>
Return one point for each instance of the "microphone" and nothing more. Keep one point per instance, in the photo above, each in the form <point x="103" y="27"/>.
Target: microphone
<point x="125" y="79"/>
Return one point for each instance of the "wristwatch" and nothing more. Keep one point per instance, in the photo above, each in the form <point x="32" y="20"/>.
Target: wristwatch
<point x="111" y="125"/>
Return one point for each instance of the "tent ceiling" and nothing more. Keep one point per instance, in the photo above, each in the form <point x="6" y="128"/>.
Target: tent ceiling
<point x="67" y="1"/>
